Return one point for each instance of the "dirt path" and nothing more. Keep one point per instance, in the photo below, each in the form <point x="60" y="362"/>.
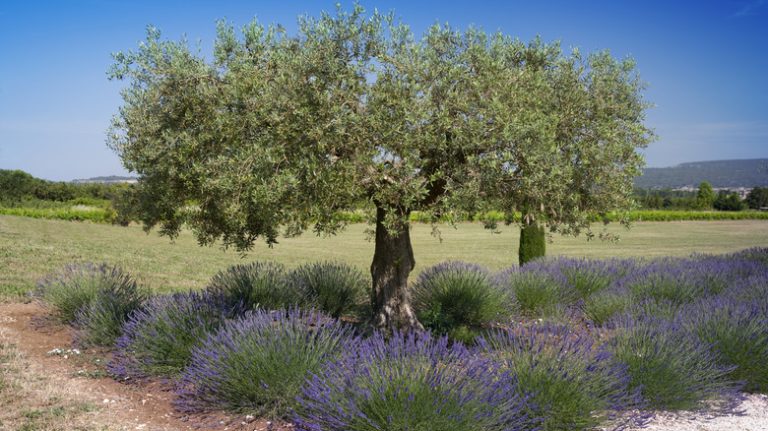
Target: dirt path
<point x="72" y="391"/>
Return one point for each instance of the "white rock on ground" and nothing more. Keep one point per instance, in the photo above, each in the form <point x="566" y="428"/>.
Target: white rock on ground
<point x="753" y="416"/>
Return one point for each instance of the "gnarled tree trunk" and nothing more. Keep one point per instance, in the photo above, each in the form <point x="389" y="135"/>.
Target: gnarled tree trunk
<point x="392" y="263"/>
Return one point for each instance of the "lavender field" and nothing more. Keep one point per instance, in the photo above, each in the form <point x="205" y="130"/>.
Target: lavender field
<point x="557" y="344"/>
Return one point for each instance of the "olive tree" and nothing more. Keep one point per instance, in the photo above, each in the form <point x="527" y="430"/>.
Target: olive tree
<point x="567" y="130"/>
<point x="278" y="133"/>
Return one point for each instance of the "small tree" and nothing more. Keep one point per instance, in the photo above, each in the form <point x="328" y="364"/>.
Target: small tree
<point x="757" y="198"/>
<point x="280" y="133"/>
<point x="705" y="197"/>
<point x="728" y="201"/>
<point x="533" y="243"/>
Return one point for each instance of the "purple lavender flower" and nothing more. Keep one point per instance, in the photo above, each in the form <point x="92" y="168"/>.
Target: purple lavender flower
<point x="411" y="381"/>
<point x="259" y="361"/>
<point x="158" y="338"/>
<point x="574" y="382"/>
<point x="453" y="294"/>
<point x="674" y="369"/>
<point x="682" y="281"/>
<point x="737" y="331"/>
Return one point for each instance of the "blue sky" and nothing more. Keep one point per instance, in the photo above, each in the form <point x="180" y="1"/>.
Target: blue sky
<point x="706" y="64"/>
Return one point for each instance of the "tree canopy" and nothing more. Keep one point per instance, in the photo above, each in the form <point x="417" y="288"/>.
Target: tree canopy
<point x="279" y="132"/>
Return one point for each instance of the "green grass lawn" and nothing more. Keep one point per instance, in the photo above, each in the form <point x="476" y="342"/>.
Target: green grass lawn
<point x="30" y="248"/>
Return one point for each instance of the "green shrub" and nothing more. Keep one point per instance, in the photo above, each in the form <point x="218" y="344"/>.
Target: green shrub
<point x="454" y="297"/>
<point x="257" y="284"/>
<point x="335" y="288"/>
<point x="73" y="288"/>
<point x="533" y="243"/>
<point x="74" y="213"/>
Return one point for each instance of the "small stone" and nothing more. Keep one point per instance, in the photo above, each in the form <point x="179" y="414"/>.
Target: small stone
<point x="249" y="418"/>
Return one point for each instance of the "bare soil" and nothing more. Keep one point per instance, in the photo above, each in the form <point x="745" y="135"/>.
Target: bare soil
<point x="80" y="378"/>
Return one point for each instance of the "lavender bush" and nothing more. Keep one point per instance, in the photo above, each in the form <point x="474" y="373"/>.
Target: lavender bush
<point x="738" y="334"/>
<point x="158" y="339"/>
<point x="73" y="288"/>
<point x="411" y="382"/>
<point x="257" y="284"/>
<point x="681" y="281"/>
<point x="673" y="369"/>
<point x="333" y="287"/>
<point x="575" y="384"/>
<point x="756" y="254"/>
<point x="100" y="322"/>
<point x="258" y="362"/>
<point x="584" y="276"/>
<point x="537" y="292"/>
<point x="455" y="296"/>
<point x="602" y="306"/>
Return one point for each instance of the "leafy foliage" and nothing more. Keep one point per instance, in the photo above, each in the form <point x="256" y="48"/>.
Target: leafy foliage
<point x="259" y="361"/>
<point x="533" y="243"/>
<point x="728" y="201"/>
<point x="411" y="382"/>
<point x="705" y="195"/>
<point x="757" y="198"/>
<point x="279" y="133"/>
<point x="454" y="295"/>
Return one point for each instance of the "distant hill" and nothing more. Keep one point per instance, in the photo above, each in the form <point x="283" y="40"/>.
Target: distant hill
<point x="719" y="173"/>
<point x="107" y="180"/>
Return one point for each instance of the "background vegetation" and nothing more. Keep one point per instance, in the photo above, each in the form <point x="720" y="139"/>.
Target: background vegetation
<point x="30" y="248"/>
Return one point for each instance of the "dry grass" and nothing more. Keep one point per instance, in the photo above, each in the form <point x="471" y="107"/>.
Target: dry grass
<point x="31" y="400"/>
<point x="30" y="248"/>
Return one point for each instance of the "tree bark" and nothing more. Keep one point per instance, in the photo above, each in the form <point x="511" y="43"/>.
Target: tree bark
<point x="392" y="262"/>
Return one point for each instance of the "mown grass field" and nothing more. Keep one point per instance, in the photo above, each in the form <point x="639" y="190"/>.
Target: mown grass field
<point x="30" y="248"/>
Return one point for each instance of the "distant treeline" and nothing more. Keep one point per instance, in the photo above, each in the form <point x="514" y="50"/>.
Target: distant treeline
<point x="702" y="199"/>
<point x="24" y="195"/>
<point x="18" y="186"/>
